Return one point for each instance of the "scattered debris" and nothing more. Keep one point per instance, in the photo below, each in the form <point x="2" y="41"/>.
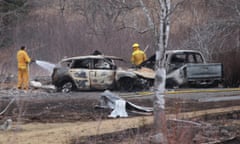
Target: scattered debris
<point x="6" y="125"/>
<point x="37" y="84"/>
<point x="120" y="107"/>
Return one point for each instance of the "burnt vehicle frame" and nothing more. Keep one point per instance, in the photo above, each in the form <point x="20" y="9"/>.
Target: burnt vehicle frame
<point x="188" y="68"/>
<point x="99" y="72"/>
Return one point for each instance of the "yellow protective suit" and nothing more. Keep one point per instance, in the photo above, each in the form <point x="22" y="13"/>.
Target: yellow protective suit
<point x="138" y="56"/>
<point x="23" y="75"/>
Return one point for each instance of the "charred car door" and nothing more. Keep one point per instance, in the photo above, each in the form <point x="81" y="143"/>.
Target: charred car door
<point x="102" y="75"/>
<point x="80" y="70"/>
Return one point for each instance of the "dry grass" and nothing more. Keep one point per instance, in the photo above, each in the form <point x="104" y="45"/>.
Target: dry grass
<point x="57" y="133"/>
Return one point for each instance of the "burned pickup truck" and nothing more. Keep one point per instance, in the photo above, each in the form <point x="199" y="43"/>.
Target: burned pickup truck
<point x="99" y="72"/>
<point x="188" y="68"/>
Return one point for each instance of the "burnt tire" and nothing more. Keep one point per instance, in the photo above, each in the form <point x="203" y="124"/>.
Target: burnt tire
<point x="126" y="84"/>
<point x="67" y="86"/>
<point x="171" y="83"/>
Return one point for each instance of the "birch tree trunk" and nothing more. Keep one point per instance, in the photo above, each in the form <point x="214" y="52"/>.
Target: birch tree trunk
<point x="160" y="78"/>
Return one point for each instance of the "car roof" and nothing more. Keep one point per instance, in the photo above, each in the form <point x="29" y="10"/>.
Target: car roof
<point x="92" y="56"/>
<point x="179" y="51"/>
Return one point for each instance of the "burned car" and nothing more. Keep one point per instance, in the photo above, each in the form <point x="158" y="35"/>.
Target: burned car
<point x="99" y="72"/>
<point x="188" y="68"/>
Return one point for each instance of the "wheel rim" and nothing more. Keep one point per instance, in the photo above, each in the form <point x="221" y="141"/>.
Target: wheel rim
<point x="67" y="87"/>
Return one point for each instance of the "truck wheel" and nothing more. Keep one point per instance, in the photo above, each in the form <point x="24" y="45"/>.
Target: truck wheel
<point x="67" y="86"/>
<point x="170" y="83"/>
<point x="215" y="84"/>
<point x="125" y="84"/>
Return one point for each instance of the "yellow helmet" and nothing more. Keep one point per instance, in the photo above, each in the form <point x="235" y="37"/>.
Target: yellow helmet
<point x="135" y="45"/>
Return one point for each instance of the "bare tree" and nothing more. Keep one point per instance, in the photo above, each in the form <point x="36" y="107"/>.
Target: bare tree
<point x="160" y="78"/>
<point x="10" y="11"/>
<point x="214" y="28"/>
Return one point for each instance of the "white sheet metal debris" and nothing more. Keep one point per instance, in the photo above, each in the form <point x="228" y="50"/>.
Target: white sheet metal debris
<point x="37" y="84"/>
<point x="120" y="106"/>
<point x="6" y="125"/>
<point x="119" y="109"/>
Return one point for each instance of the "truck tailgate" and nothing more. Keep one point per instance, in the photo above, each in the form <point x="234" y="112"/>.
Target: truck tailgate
<point x="204" y="71"/>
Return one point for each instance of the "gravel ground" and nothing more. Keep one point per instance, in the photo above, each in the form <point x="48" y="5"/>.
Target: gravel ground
<point x="46" y="106"/>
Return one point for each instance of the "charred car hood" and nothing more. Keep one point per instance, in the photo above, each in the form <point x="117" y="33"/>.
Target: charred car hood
<point x="145" y="72"/>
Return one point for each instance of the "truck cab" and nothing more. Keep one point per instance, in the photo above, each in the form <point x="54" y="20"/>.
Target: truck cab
<point x="176" y="59"/>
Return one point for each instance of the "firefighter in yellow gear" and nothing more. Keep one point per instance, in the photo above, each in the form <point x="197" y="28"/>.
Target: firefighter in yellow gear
<point x="138" y="56"/>
<point x="23" y="68"/>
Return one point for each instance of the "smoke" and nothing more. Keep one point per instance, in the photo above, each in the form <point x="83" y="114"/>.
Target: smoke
<point x="46" y="65"/>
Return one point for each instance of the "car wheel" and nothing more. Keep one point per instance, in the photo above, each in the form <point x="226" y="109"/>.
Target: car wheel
<point x="67" y="87"/>
<point x="126" y="84"/>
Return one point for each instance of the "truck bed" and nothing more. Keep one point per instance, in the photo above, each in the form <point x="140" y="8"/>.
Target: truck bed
<point x="204" y="71"/>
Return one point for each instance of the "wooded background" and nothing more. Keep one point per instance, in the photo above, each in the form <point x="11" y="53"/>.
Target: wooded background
<point x="52" y="29"/>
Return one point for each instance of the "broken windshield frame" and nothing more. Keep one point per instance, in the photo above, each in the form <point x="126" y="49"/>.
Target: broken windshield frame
<point x="177" y="60"/>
